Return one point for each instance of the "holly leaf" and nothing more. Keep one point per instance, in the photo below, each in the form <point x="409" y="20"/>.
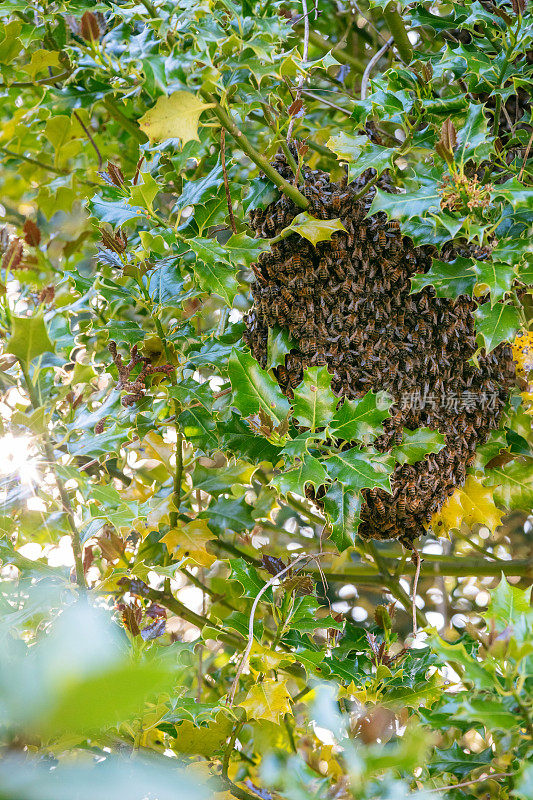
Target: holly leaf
<point x="491" y="713"/>
<point x="253" y="388"/>
<point x="458" y="762"/>
<point x="361" y="419"/>
<point x="449" y="279"/>
<point x="361" y="469"/>
<point x="472" y="504"/>
<point x="229" y="513"/>
<point x="215" y="275"/>
<point x="189" y="541"/>
<point x="417" y="444"/>
<point x="309" y="470"/>
<point x="278" y="345"/>
<point x="204" y="740"/>
<point x="359" y="154"/>
<point x="175" y="116"/>
<point x="472" y="137"/>
<point x="342" y="508"/>
<point x="314" y="402"/>
<point x="410" y="204"/>
<point x="261" y="193"/>
<point x="508" y="603"/>
<point x="513" y="484"/>
<point x="453" y="654"/>
<point x="268" y="700"/>
<point x="314" y="230"/>
<point x="29" y="338"/>
<point x="494" y="276"/>
<point x="496" y="324"/>
<point x="516" y="193"/>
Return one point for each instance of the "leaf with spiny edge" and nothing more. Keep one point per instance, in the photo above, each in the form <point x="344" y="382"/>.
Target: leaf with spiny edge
<point x="508" y="603"/>
<point x="449" y="279"/>
<point x="496" y="324"/>
<point x="174" y="116"/>
<point x="314" y="230"/>
<point x="268" y="700"/>
<point x="314" y="403"/>
<point x="309" y="470"/>
<point x="361" y="419"/>
<point x="361" y="469"/>
<point x="29" y="338"/>
<point x="342" y="508"/>
<point x="474" y="503"/>
<point x="189" y="541"/>
<point x="253" y="388"/>
<point x="417" y="444"/>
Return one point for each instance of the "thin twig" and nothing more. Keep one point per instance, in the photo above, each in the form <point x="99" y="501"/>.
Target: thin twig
<point x="526" y="155"/>
<point x="371" y="64"/>
<point x="225" y="174"/>
<point x="469" y="783"/>
<point x="327" y="102"/>
<point x="90" y="138"/>
<point x="248" y="649"/>
<point x="368" y="22"/>
<point x="304" y="58"/>
<point x="418" y="560"/>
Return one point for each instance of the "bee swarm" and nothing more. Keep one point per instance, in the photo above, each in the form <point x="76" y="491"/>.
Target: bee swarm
<point x="347" y="305"/>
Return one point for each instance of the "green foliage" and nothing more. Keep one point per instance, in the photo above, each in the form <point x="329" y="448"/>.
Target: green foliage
<point x="152" y="491"/>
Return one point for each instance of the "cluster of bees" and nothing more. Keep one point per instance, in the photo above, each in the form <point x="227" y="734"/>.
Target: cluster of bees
<point x="347" y="305"/>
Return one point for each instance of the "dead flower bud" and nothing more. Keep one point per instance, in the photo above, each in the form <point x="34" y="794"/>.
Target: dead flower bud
<point x="12" y="258"/>
<point x="90" y="27"/>
<point x="32" y="234"/>
<point x="113" y="176"/>
<point x="136" y="389"/>
<point x="47" y="294"/>
<point x="116" y="241"/>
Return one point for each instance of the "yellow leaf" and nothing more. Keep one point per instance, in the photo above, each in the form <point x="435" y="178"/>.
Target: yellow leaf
<point x="472" y="504"/>
<point x="268" y="700"/>
<point x="205" y="739"/>
<point x="527" y="397"/>
<point x="172" y="117"/>
<point x="189" y="541"/>
<point x="315" y="230"/>
<point x="40" y="61"/>
<point x="523" y="351"/>
<point x="158" y="513"/>
<point x="156" y="448"/>
<point x="137" y="491"/>
<point x="268" y="658"/>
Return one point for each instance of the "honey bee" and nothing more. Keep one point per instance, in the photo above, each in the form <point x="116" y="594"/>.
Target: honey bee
<point x="299" y="285"/>
<point x="299" y="315"/>
<point x="382" y="238"/>
<point x="380" y="508"/>
<point x="336" y="202"/>
<point x="320" y="359"/>
<point x="295" y="379"/>
<point x="284" y="309"/>
<point x="296" y="261"/>
<point x="305" y="346"/>
<point x="323" y="271"/>
<point x="283" y="375"/>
